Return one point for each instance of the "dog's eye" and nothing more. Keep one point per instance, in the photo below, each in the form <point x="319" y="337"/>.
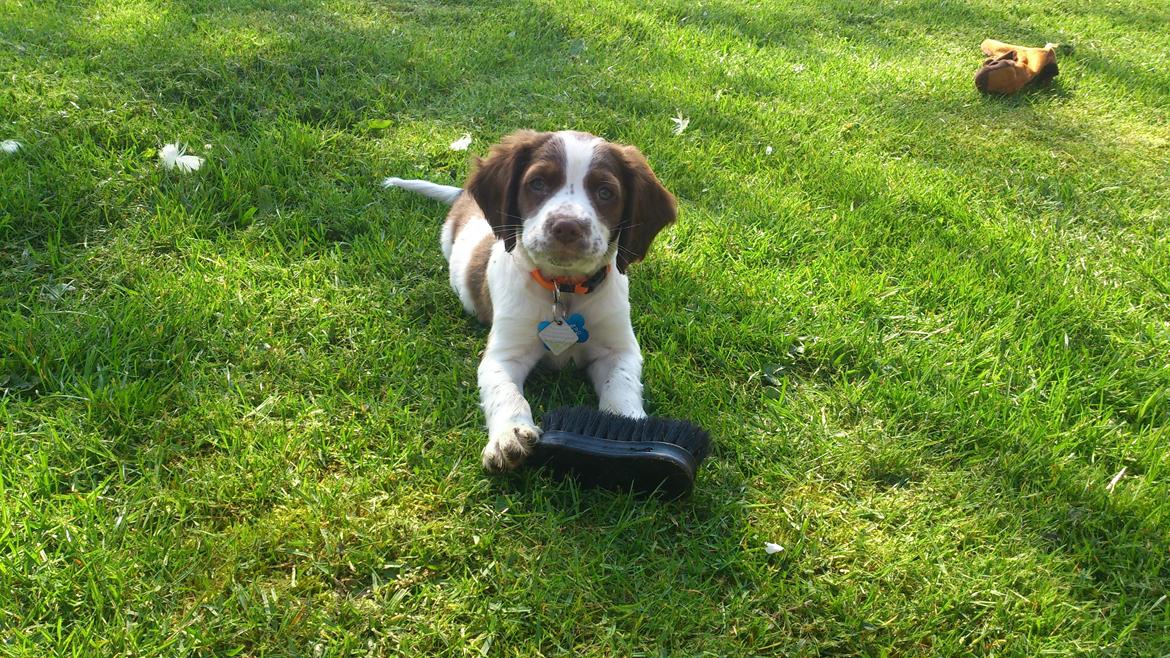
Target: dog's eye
<point x="537" y="184"/>
<point x="604" y="193"/>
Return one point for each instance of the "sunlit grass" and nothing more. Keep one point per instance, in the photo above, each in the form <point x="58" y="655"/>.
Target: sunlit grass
<point x="927" y="330"/>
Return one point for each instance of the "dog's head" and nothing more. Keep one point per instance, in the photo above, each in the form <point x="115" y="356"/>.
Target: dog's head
<point x="570" y="200"/>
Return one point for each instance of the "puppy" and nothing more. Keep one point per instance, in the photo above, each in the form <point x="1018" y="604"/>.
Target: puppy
<point x="538" y="244"/>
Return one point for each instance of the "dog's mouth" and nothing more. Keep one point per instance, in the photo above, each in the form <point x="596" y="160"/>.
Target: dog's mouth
<point x="566" y="260"/>
<point x="566" y="265"/>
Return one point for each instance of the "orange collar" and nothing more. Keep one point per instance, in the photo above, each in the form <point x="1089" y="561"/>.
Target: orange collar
<point x="575" y="284"/>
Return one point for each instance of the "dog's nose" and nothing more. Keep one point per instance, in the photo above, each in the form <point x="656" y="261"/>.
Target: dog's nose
<point x="567" y="230"/>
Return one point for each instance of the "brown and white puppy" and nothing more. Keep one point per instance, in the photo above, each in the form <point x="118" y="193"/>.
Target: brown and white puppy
<point x="564" y="209"/>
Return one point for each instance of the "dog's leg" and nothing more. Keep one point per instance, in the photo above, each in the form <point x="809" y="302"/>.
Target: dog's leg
<point x="511" y="430"/>
<point x="617" y="377"/>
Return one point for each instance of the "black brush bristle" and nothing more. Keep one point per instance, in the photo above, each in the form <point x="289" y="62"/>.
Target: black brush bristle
<point x="605" y="425"/>
<point x="649" y="455"/>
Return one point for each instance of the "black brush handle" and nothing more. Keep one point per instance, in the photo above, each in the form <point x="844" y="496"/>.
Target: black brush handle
<point x="645" y="466"/>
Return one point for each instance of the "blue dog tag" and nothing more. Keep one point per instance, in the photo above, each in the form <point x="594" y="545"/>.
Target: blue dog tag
<point x="560" y="336"/>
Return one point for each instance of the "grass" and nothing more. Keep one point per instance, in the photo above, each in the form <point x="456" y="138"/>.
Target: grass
<point x="927" y="329"/>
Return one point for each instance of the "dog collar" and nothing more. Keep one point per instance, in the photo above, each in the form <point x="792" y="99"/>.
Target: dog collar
<point x="571" y="284"/>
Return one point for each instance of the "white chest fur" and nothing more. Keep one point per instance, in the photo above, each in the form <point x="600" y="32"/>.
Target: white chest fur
<point x="521" y="305"/>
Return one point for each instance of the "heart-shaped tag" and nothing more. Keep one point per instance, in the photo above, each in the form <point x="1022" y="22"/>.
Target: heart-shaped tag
<point x="560" y="336"/>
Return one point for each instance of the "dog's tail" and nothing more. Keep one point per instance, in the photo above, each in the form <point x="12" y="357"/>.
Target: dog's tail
<point x="445" y="193"/>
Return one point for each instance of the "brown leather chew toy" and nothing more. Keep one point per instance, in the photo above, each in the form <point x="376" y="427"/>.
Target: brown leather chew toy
<point x="1009" y="68"/>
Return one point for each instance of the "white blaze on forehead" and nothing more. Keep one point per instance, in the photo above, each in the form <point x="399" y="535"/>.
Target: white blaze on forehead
<point x="578" y="158"/>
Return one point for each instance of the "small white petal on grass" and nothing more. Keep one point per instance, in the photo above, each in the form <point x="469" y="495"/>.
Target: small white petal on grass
<point x="680" y="123"/>
<point x="174" y="156"/>
<point x="10" y="146"/>
<point x="772" y="549"/>
<point x="57" y="291"/>
<point x="798" y="68"/>
<point x="1116" y="478"/>
<point x="768" y="151"/>
<point x="462" y="143"/>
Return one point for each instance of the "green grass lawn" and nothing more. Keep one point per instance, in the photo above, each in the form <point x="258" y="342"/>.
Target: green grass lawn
<point x="927" y="329"/>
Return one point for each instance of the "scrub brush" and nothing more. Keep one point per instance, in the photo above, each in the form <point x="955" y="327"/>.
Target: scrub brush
<point x="659" y="455"/>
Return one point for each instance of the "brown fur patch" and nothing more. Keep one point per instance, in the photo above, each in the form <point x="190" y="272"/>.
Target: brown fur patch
<point x="495" y="181"/>
<point x="547" y="164"/>
<point x="606" y="171"/>
<point x="647" y="206"/>
<point x="477" y="282"/>
<point x="462" y="210"/>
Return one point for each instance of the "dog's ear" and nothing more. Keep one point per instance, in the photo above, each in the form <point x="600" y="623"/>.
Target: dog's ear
<point x="495" y="181"/>
<point x="649" y="207"/>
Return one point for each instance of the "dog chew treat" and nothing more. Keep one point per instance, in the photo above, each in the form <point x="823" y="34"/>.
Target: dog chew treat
<point x="1009" y="68"/>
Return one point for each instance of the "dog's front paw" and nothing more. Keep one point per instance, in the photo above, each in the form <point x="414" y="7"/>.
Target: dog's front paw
<point x="628" y="408"/>
<point x="508" y="446"/>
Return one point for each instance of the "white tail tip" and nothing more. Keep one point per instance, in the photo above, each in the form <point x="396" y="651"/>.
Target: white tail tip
<point x="445" y="193"/>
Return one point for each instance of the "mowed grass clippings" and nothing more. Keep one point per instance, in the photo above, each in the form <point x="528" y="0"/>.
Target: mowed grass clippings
<point x="928" y="330"/>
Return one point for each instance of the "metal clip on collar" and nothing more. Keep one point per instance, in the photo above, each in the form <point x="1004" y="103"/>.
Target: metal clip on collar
<point x="558" y="310"/>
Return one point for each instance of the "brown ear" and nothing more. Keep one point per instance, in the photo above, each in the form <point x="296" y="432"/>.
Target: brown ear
<point x="649" y="208"/>
<point x="494" y="182"/>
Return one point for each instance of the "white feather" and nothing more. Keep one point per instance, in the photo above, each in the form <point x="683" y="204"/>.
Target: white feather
<point x="10" y="146"/>
<point x="462" y="143"/>
<point x="1116" y="478"/>
<point x="680" y="123"/>
<point x="173" y="156"/>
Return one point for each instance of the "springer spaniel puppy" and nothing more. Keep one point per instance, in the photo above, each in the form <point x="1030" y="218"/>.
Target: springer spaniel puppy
<point x="538" y="243"/>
